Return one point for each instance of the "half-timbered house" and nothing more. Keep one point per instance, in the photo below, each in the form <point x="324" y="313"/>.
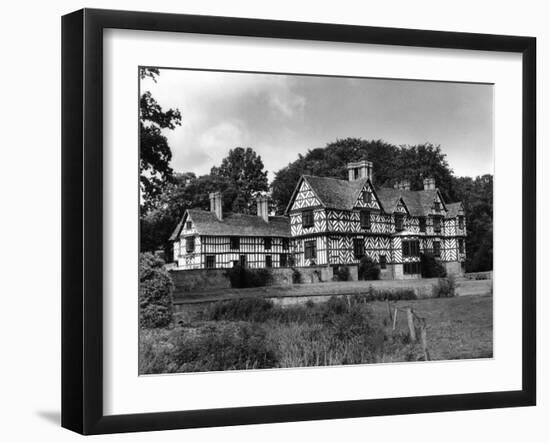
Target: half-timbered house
<point x="338" y="222"/>
<point x="330" y="222"/>
<point x="213" y="240"/>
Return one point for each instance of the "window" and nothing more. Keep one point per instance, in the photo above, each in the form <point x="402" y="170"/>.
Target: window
<point x="398" y="222"/>
<point x="437" y="206"/>
<point x="358" y="247"/>
<point x="188" y="225"/>
<point x="267" y="243"/>
<point x="310" y="249"/>
<point x="365" y="219"/>
<point x="268" y="261"/>
<point x="410" y="248"/>
<point x="210" y="261"/>
<point x="411" y="268"/>
<point x="422" y="224"/>
<point x="461" y="245"/>
<point x="437" y="224"/>
<point x="382" y="262"/>
<point x="234" y="243"/>
<point x="367" y="197"/>
<point x="307" y="219"/>
<point x="437" y="249"/>
<point x="190" y="244"/>
<point x="285" y="244"/>
<point x="242" y="261"/>
<point x="356" y="173"/>
<point x="283" y="260"/>
<point x="460" y="222"/>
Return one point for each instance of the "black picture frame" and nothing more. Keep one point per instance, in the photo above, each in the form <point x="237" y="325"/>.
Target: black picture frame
<point x="82" y="215"/>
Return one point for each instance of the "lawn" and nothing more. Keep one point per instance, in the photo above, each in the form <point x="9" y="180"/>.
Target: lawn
<point x="254" y="333"/>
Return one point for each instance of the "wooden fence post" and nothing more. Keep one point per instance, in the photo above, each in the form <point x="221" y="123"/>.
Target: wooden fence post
<point x="423" y="339"/>
<point x="410" y="321"/>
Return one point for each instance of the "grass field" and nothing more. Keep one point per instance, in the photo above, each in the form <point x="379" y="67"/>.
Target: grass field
<point x="255" y="333"/>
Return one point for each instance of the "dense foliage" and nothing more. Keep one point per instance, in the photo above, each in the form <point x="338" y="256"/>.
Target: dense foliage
<point x="155" y="292"/>
<point x="155" y="154"/>
<point x="368" y="269"/>
<point x="430" y="267"/>
<point x="243" y="277"/>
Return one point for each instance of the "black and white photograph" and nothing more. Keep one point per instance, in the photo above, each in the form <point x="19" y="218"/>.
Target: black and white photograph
<point x="291" y="221"/>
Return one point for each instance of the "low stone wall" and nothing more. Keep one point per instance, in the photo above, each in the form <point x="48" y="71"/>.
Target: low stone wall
<point x="194" y="280"/>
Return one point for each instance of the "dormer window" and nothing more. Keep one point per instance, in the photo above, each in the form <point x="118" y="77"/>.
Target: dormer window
<point x="188" y="225"/>
<point x="437" y="206"/>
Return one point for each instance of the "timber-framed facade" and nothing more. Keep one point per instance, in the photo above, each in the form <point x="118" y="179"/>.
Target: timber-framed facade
<point x="330" y="222"/>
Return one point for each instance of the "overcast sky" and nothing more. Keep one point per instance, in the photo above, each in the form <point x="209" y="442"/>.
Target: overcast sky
<point x="280" y="116"/>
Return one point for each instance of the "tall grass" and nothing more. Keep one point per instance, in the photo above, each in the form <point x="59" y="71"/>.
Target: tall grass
<point x="254" y="333"/>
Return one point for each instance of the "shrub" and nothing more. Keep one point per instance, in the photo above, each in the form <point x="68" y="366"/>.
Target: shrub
<point x="155" y="292"/>
<point x="431" y="267"/>
<point x="296" y="276"/>
<point x="244" y="309"/>
<point x="242" y="277"/>
<point x="445" y="287"/>
<point x="368" y="269"/>
<point x="341" y="273"/>
<point x="385" y="294"/>
<point x="224" y="346"/>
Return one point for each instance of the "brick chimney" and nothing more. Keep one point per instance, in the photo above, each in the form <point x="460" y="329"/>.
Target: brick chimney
<point x="262" y="205"/>
<point x="360" y="170"/>
<point x="429" y="184"/>
<point x="216" y="204"/>
<point x="403" y="185"/>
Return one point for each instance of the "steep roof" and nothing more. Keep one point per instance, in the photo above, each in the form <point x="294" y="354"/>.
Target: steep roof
<point x="335" y="193"/>
<point x="453" y="209"/>
<point x="242" y="225"/>
<point x="389" y="198"/>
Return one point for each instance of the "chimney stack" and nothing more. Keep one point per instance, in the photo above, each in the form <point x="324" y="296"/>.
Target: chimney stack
<point x="404" y="185"/>
<point x="360" y="170"/>
<point x="262" y="205"/>
<point x="429" y="184"/>
<point x="216" y="204"/>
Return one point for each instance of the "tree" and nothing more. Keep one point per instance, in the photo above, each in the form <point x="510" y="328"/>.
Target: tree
<point x="477" y="196"/>
<point x="243" y="170"/>
<point x="391" y="164"/>
<point x="331" y="161"/>
<point x="155" y="153"/>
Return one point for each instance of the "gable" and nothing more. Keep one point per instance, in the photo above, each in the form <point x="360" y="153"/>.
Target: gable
<point x="363" y="202"/>
<point x="304" y="197"/>
<point x="438" y="205"/>
<point x="401" y="207"/>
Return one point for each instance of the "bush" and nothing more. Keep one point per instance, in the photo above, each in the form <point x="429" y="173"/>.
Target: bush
<point x="241" y="277"/>
<point x="341" y="273"/>
<point x="244" y="309"/>
<point x="445" y="287"/>
<point x="296" y="276"/>
<point x="155" y="292"/>
<point x="224" y="346"/>
<point x="430" y="267"/>
<point x="368" y="269"/>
